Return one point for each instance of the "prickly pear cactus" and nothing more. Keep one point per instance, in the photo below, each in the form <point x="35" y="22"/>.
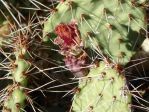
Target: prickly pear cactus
<point x="15" y="94"/>
<point x="114" y="28"/>
<point x="15" y="101"/>
<point x="103" y="90"/>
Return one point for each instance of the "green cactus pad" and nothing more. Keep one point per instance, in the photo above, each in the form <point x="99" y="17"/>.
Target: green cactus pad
<point x="140" y="2"/>
<point x="103" y="90"/>
<point x="117" y="27"/>
<point x="15" y="103"/>
<point x="19" y="72"/>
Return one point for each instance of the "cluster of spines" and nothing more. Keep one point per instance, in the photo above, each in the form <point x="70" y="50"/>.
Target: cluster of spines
<point x="16" y="98"/>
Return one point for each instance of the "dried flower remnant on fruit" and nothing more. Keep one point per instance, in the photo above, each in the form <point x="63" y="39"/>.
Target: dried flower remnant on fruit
<point x="69" y="41"/>
<point x="76" y="65"/>
<point x="68" y="35"/>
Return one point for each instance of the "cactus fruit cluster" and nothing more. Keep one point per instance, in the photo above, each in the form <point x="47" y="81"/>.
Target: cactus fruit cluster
<point x="70" y="44"/>
<point x="93" y="43"/>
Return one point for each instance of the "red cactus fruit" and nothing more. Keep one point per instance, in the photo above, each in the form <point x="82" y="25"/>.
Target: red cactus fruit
<point x="69" y="41"/>
<point x="68" y="34"/>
